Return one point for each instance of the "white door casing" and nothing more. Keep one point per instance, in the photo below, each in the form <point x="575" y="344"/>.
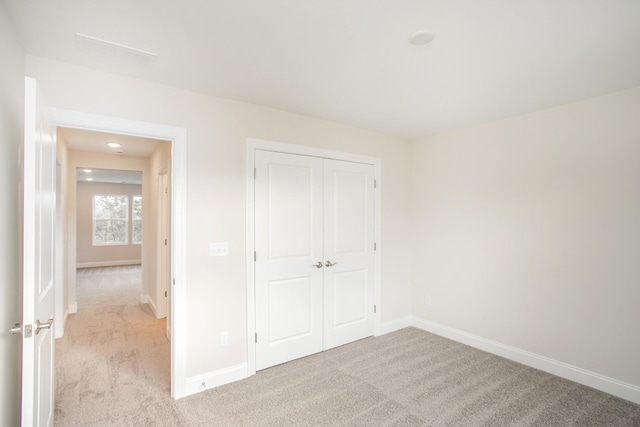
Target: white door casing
<point x="314" y="260"/>
<point x="349" y="246"/>
<point x="288" y="259"/>
<point x="178" y="221"/>
<point x="39" y="205"/>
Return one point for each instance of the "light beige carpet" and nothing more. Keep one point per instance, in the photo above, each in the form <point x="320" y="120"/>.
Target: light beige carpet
<point x="113" y="369"/>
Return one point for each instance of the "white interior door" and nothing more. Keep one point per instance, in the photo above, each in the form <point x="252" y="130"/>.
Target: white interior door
<point x="288" y="259"/>
<point x="165" y="252"/>
<point x="315" y="262"/>
<point x="348" y="252"/>
<point x="39" y="203"/>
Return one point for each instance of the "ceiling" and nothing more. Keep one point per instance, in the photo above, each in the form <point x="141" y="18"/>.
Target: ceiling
<point x="85" y="140"/>
<point x="130" y="146"/>
<point x="350" y="61"/>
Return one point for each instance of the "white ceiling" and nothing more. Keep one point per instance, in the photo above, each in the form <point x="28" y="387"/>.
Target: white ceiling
<point x="84" y="140"/>
<point x="350" y="61"/>
<point x="131" y="146"/>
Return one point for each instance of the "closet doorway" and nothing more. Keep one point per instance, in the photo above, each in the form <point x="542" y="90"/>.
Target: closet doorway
<point x="315" y="263"/>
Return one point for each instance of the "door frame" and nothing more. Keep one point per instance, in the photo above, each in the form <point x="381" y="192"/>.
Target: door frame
<point x="254" y="144"/>
<point x="178" y="138"/>
<point x="162" y="270"/>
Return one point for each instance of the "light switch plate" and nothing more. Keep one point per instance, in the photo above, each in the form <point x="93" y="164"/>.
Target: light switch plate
<point x="219" y="249"/>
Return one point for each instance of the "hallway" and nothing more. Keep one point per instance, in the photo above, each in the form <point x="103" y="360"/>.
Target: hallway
<point x="113" y="363"/>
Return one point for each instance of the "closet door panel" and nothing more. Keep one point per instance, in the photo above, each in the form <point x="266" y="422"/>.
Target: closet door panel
<point x="348" y="252"/>
<point x="288" y="242"/>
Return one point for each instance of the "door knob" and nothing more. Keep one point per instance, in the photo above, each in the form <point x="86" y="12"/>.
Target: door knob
<point x="40" y="326"/>
<point x="330" y="264"/>
<point x="17" y="329"/>
<point x="318" y="264"/>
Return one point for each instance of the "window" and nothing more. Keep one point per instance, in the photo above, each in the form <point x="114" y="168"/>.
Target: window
<point x="110" y="219"/>
<point x="136" y="215"/>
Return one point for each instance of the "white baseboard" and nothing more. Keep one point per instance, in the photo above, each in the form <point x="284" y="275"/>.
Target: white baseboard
<point x="582" y="376"/>
<point x="108" y="263"/>
<point x="395" y="325"/>
<point x="144" y="299"/>
<point x="215" y="379"/>
<point x="73" y="307"/>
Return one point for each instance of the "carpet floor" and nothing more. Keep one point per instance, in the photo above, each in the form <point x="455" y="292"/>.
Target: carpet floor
<point x="112" y="369"/>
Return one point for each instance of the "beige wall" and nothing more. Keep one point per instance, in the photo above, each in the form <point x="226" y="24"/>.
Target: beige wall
<point x="89" y="255"/>
<point x="527" y="232"/>
<point x="11" y="131"/>
<point x="62" y="237"/>
<point x="217" y="132"/>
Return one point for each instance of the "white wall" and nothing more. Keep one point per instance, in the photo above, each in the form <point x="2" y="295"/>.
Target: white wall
<point x="217" y="131"/>
<point x="89" y="255"/>
<point x="527" y="232"/>
<point x="11" y="131"/>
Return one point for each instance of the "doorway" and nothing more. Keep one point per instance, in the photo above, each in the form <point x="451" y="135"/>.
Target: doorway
<point x="113" y="215"/>
<point x="324" y="320"/>
<point x="178" y="140"/>
<point x="314" y="234"/>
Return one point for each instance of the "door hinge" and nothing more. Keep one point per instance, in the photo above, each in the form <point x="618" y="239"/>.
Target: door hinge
<point x="166" y="190"/>
<point x="255" y="173"/>
<point x="256" y="338"/>
<point x="375" y="246"/>
<point x="375" y="309"/>
<point x="165" y="242"/>
<point x="375" y="183"/>
<point x="165" y="294"/>
<point x="255" y="256"/>
<point x="174" y="280"/>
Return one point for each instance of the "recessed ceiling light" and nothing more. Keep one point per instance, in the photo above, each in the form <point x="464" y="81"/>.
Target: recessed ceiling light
<point x="113" y="144"/>
<point x="422" y="37"/>
<point x="87" y="170"/>
<point x="88" y="179"/>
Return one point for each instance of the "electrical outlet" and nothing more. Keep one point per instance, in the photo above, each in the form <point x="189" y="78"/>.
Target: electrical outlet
<point x="224" y="339"/>
<point x="427" y="299"/>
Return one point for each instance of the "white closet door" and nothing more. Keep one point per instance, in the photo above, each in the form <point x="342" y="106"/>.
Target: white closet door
<point x="348" y="245"/>
<point x="288" y="242"/>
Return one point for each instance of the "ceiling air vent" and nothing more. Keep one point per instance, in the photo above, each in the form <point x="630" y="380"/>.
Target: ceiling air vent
<point x="114" y="50"/>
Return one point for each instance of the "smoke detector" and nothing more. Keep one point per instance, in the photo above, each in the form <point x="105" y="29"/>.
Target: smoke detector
<point x="422" y="37"/>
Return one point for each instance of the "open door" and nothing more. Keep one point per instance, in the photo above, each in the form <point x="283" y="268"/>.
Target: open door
<point x="164" y="264"/>
<point x="39" y="205"/>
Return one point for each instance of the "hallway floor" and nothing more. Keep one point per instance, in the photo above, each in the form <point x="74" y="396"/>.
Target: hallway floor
<point x="113" y="363"/>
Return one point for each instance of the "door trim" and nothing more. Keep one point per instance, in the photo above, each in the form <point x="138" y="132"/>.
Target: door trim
<point x="254" y="144"/>
<point x="178" y="138"/>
